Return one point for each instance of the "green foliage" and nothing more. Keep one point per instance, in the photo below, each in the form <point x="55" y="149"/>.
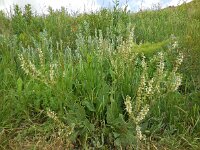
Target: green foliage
<point x="86" y="83"/>
<point x="151" y="48"/>
<point x="4" y="24"/>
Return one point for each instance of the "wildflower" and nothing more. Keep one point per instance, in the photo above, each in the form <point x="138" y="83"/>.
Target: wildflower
<point x="178" y="62"/>
<point x="41" y="57"/>
<point x="175" y="45"/>
<point x="175" y="82"/>
<point x="144" y="65"/>
<point x="140" y="95"/>
<point x="142" y="114"/>
<point x="51" y="72"/>
<point x="149" y="88"/>
<point x="23" y="64"/>
<point x="34" y="72"/>
<point x="52" y="115"/>
<point x="128" y="105"/>
<point x="139" y="133"/>
<point x="63" y="129"/>
<point x="161" y="64"/>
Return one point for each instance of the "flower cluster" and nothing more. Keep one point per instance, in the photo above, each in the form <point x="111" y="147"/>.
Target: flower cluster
<point x="52" y="115"/>
<point x="139" y="117"/>
<point x="178" y="62"/>
<point x="63" y="129"/>
<point x="38" y="73"/>
<point x="175" y="81"/>
<point x="51" y="72"/>
<point x="175" y="45"/>
<point x="161" y="64"/>
<point x="41" y="57"/>
<point x="142" y="114"/>
<point x="140" y="96"/>
<point x="139" y="133"/>
<point x="149" y="88"/>
<point x="128" y="105"/>
<point x="29" y="68"/>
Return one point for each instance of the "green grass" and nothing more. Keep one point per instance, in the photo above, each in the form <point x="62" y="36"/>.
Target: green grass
<point x="66" y="80"/>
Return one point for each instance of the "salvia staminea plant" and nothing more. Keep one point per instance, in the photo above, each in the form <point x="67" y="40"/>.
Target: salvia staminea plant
<point x="163" y="81"/>
<point x="97" y="59"/>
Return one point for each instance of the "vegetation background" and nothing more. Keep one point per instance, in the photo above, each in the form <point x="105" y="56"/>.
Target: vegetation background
<point x="106" y="80"/>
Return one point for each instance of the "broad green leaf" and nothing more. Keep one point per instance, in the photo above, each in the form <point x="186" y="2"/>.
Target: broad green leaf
<point x="89" y="105"/>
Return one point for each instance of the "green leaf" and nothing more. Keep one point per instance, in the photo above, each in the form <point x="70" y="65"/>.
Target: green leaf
<point x="19" y="85"/>
<point x="89" y="105"/>
<point x="112" y="112"/>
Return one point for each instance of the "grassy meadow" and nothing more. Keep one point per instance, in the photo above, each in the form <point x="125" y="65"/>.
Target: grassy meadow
<point x="110" y="79"/>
